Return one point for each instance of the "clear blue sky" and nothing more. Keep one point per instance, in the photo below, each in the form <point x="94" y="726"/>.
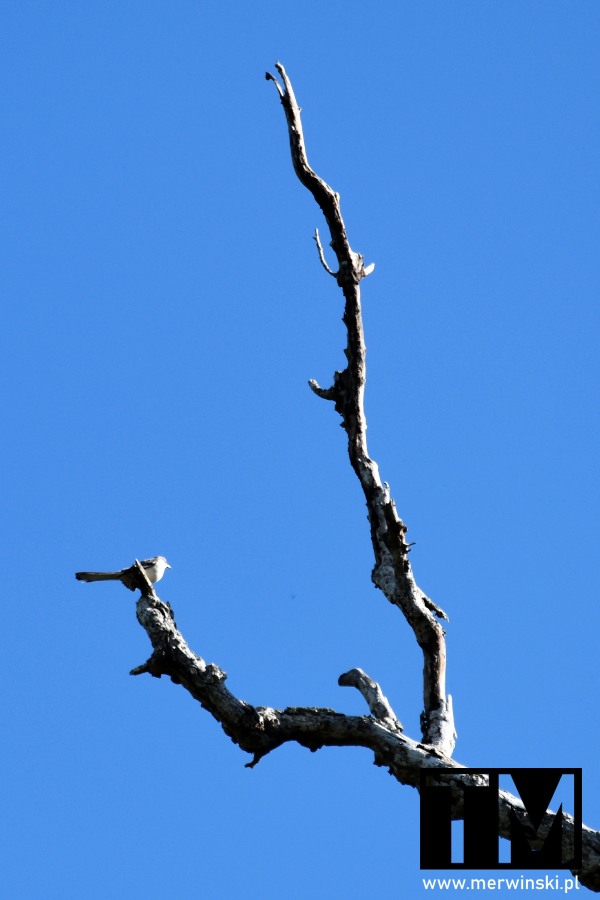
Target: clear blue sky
<point x="163" y="310"/>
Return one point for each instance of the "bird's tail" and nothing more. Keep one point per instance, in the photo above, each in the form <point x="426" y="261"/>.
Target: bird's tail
<point x="98" y="576"/>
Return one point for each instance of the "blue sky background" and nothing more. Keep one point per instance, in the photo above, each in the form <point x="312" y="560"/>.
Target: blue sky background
<point x="164" y="308"/>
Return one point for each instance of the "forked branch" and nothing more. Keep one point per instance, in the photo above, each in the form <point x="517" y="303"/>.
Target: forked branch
<point x="258" y="729"/>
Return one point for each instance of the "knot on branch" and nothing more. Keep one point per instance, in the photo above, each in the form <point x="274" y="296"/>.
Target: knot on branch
<point x="351" y="270"/>
<point x="213" y="674"/>
<point x="156" y="666"/>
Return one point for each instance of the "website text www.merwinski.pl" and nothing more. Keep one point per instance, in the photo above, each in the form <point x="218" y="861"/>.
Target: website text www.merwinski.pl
<point x="518" y="883"/>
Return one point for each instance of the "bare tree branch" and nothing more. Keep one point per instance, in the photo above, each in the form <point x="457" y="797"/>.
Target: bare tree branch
<point x="392" y="572"/>
<point x="260" y="729"/>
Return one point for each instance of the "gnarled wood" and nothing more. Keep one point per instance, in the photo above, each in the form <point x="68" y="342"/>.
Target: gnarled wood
<point x="260" y="729"/>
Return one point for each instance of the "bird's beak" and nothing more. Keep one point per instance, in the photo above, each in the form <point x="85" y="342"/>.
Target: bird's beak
<point x="168" y="566"/>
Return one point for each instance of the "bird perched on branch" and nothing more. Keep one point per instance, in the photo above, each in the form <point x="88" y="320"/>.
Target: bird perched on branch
<point x="154" y="568"/>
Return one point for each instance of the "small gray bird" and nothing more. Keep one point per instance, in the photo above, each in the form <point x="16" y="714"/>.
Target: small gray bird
<point x="154" y="567"/>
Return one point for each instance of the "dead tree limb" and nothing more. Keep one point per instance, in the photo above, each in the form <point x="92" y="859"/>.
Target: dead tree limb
<point x="260" y="729"/>
<point x="392" y="572"/>
<point x="257" y="729"/>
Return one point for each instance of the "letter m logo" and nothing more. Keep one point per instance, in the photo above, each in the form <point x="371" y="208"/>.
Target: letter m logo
<point x="538" y="839"/>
